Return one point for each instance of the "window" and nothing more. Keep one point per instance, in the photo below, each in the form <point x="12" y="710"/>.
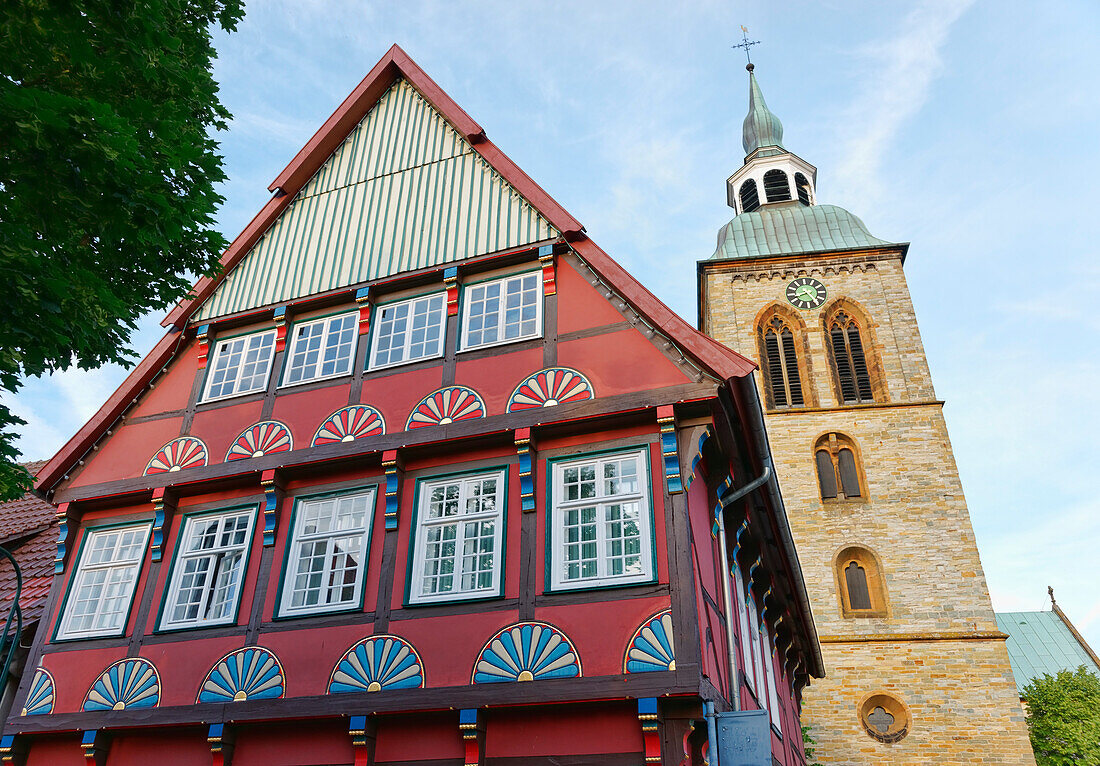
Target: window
<point x="838" y="473"/>
<point x="240" y="365"/>
<point x="776" y="186"/>
<point x="103" y="585"/>
<point x="459" y="533"/>
<point x="601" y="522"/>
<point x="781" y="363"/>
<point x="322" y="348"/>
<point x="773" y="693"/>
<point x="750" y="197"/>
<point x="884" y="717"/>
<point x="747" y="663"/>
<point x="503" y="310"/>
<point x="328" y="546"/>
<point x="802" y="187"/>
<point x="759" y="684"/>
<point x="208" y="570"/>
<point x="409" y="330"/>
<point x="859" y="579"/>
<point x="852" y="374"/>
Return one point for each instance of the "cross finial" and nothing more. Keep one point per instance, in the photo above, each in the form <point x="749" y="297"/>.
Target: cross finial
<point x="746" y="43"/>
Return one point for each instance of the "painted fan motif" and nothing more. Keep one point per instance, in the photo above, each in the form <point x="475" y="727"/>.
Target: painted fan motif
<point x="377" y="663"/>
<point x="652" y="647"/>
<point x="355" y="422"/>
<point x="555" y="385"/>
<point x="261" y="439"/>
<point x="184" y="452"/>
<point x="527" y="651"/>
<point x="447" y="405"/>
<point x="132" y="683"/>
<point x="251" y="673"/>
<point x="40" y="697"/>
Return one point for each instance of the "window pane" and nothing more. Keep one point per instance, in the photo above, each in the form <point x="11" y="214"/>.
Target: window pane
<point x="241" y="365"/>
<point x="208" y="572"/>
<point x="104" y="582"/>
<point x="849" y="479"/>
<point x="826" y="476"/>
<point x="507" y="309"/>
<point x="859" y="597"/>
<point x="409" y="330"/>
<point x="327" y="564"/>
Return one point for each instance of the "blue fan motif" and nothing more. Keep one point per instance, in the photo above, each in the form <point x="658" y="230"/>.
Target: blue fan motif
<point x="651" y="648"/>
<point x="377" y="663"/>
<point x="251" y="673"/>
<point x="526" y="651"/>
<point x="132" y="683"/>
<point x="40" y="697"/>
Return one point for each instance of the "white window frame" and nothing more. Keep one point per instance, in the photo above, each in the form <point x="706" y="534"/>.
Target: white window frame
<point x="769" y="672"/>
<point x="128" y="568"/>
<point x="219" y="348"/>
<point x="748" y="669"/>
<point x="467" y="303"/>
<point x="182" y="555"/>
<point x="424" y="525"/>
<point x="299" y="539"/>
<point x="376" y="330"/>
<point x="296" y="338"/>
<point x="759" y="685"/>
<point x="559" y="507"/>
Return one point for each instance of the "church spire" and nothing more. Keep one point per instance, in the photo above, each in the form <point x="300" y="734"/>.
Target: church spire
<point x="761" y="128"/>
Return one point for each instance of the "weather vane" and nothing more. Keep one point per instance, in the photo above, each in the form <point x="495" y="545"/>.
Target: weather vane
<point x="746" y="43"/>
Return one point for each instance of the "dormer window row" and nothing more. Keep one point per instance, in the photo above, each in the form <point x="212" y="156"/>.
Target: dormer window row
<point x="493" y="312"/>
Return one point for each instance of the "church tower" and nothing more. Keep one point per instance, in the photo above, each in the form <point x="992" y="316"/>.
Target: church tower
<point x="916" y="668"/>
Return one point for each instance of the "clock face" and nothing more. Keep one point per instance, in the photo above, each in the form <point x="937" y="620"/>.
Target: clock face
<point x="806" y="293"/>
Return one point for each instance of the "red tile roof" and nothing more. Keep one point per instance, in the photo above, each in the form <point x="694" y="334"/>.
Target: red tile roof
<point x="28" y="530"/>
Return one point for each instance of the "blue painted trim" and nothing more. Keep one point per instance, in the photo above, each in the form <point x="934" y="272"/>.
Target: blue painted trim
<point x="545" y="250"/>
<point x="156" y="548"/>
<point x="669" y="453"/>
<point x="393" y="495"/>
<point x="271" y="506"/>
<point x="361" y="294"/>
<point x="698" y="455"/>
<point x="467" y="717"/>
<point x="526" y="475"/>
<point x="451" y="272"/>
<point x="647" y="706"/>
<point x="62" y="538"/>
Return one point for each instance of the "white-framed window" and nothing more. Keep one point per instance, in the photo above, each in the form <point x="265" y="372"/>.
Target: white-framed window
<point x="759" y="684"/>
<point x="240" y="365"/>
<point x="748" y="667"/>
<point x="328" y="549"/>
<point x="103" y="585"/>
<point x="601" y="521"/>
<point x="409" y="330"/>
<point x="208" y="570"/>
<point x="502" y="311"/>
<point x="459" y="538"/>
<point x="321" y="348"/>
<point x="773" y="694"/>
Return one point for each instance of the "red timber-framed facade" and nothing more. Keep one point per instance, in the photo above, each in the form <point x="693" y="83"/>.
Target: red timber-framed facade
<point x="420" y="466"/>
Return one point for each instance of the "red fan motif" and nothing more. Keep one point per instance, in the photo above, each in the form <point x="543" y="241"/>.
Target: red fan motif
<point x="184" y="452"/>
<point x="261" y="439"/>
<point x="355" y="422"/>
<point x="546" y="388"/>
<point x="447" y="405"/>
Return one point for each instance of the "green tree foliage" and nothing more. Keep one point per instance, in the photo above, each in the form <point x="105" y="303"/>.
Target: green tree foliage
<point x="1063" y="717"/>
<point x="108" y="171"/>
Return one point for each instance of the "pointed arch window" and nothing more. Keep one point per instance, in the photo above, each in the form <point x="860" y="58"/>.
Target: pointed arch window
<point x="853" y="375"/>
<point x="776" y="186"/>
<point x="839" y="475"/>
<point x="802" y="187"/>
<point x="780" y="359"/>
<point x="860" y="581"/>
<point x="750" y="197"/>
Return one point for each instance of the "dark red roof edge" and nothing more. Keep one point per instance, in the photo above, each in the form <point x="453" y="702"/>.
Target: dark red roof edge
<point x="396" y="63"/>
<point x="722" y="361"/>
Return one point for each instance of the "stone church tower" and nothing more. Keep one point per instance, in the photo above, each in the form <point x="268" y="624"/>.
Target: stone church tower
<point x="917" y="671"/>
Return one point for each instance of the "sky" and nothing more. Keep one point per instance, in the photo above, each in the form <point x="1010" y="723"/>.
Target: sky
<point x="966" y="128"/>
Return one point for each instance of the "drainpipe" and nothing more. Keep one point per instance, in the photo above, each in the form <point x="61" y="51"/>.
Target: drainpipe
<point x="712" y="734"/>
<point x="727" y="597"/>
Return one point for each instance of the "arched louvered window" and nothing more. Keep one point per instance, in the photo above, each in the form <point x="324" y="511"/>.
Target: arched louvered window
<point x="855" y="576"/>
<point x="838" y="472"/>
<point x="802" y="187"/>
<point x="862" y="589"/>
<point x="781" y="364"/>
<point x="776" y="186"/>
<point x="750" y="197"/>
<point x="850" y="360"/>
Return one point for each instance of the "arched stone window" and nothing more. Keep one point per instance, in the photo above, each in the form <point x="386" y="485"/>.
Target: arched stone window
<point x="839" y="470"/>
<point x="750" y="197"/>
<point x="860" y="583"/>
<point x="780" y="361"/>
<point x="776" y="186"/>
<point x="802" y="188"/>
<point x="848" y="351"/>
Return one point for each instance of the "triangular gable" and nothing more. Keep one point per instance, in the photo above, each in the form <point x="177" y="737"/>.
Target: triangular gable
<point x="404" y="191"/>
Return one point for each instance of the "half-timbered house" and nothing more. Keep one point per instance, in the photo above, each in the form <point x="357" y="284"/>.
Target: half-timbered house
<point x="422" y="477"/>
